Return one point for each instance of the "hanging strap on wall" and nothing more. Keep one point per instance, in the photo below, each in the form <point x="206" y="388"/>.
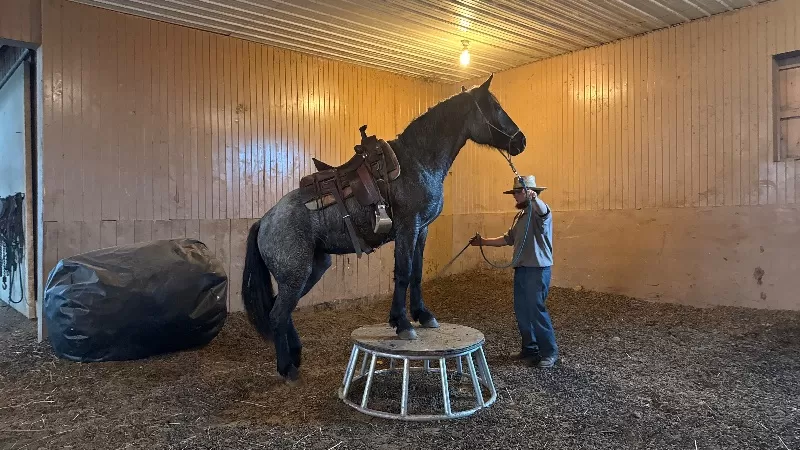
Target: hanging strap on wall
<point x="12" y="244"/>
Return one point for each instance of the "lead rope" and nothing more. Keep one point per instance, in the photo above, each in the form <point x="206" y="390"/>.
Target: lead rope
<point x="524" y="239"/>
<point x="524" y="187"/>
<point x="516" y="258"/>
<point x="522" y="181"/>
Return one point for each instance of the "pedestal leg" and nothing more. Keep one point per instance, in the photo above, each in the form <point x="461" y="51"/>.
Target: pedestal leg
<point x="445" y="387"/>
<point x="348" y="372"/>
<point x="475" y="383"/>
<point x="367" y="386"/>
<point x="487" y="377"/>
<point x="364" y="365"/>
<point x="404" y="398"/>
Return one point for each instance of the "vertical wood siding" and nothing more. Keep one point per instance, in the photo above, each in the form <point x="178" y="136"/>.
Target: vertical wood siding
<point x="157" y="131"/>
<point x="682" y="117"/>
<point x="20" y="20"/>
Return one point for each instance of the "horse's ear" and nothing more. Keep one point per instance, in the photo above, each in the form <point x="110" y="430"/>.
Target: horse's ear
<point x="463" y="89"/>
<point x="485" y="85"/>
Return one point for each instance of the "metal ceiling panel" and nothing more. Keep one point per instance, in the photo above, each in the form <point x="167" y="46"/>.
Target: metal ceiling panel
<point x="422" y="38"/>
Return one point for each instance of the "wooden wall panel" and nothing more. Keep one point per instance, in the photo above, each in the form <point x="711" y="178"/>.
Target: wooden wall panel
<point x="108" y="233"/>
<point x="688" y="112"/>
<point x="156" y="131"/>
<point x="21" y="21"/>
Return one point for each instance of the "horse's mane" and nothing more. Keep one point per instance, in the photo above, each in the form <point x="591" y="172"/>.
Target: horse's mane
<point x="436" y="114"/>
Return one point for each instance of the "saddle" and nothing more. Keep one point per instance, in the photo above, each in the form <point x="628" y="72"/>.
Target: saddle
<point x="365" y="176"/>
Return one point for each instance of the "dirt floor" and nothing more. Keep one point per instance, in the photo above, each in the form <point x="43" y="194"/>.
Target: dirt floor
<point x="633" y="374"/>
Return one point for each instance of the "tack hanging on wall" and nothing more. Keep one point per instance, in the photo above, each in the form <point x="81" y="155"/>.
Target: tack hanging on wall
<point x="12" y="244"/>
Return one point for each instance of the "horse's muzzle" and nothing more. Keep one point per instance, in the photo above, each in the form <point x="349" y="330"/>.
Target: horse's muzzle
<point x="517" y="145"/>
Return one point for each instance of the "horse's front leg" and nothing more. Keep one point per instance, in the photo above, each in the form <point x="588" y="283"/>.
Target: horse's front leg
<point x="404" y="244"/>
<point x="418" y="311"/>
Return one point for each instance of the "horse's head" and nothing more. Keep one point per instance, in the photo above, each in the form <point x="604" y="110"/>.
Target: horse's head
<point x="491" y="125"/>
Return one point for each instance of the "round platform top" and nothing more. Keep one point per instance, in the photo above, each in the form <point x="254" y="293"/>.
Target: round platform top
<point x="447" y="339"/>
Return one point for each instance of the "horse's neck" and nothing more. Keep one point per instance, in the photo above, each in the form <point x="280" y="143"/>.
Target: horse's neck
<point x="433" y="160"/>
<point x="430" y="146"/>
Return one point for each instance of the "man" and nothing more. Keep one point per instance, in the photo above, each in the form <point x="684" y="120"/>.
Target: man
<point x="531" y="272"/>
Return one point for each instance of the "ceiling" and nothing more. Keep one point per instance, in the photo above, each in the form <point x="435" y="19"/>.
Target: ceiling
<point x="422" y="38"/>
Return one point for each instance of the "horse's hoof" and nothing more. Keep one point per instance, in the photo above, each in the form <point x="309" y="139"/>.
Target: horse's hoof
<point x="293" y="383"/>
<point x="431" y="323"/>
<point x="408" y="335"/>
<point x="291" y="377"/>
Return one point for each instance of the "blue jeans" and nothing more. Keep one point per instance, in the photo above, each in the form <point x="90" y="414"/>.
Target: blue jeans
<point x="531" y="285"/>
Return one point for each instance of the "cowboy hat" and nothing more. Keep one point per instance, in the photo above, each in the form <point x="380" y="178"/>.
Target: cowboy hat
<point x="530" y="183"/>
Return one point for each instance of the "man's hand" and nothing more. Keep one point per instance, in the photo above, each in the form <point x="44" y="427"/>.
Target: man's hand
<point x="476" y="240"/>
<point x="487" y="242"/>
<point x="538" y="204"/>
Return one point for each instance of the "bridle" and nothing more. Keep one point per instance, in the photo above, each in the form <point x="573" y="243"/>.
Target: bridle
<point x="493" y="129"/>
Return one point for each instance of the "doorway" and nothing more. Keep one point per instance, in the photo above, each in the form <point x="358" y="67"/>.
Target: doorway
<point x="17" y="229"/>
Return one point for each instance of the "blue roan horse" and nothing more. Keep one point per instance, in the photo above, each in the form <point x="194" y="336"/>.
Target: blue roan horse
<point x="294" y="243"/>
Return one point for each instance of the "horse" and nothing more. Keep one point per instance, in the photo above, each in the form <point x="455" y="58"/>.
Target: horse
<point x="294" y="244"/>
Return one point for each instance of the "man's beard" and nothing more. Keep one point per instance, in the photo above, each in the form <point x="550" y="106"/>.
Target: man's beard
<point x="523" y="204"/>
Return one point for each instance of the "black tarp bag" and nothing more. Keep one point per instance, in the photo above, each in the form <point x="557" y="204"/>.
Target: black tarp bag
<point x="135" y="301"/>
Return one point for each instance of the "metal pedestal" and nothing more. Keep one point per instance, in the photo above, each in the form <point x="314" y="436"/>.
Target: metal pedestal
<point x="434" y="351"/>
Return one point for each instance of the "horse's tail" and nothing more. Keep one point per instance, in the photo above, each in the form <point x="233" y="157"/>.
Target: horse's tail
<point x="257" y="286"/>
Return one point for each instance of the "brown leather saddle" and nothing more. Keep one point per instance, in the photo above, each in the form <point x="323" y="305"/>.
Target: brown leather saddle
<point x="365" y="176"/>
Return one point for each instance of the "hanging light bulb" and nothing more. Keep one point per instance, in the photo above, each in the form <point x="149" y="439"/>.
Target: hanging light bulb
<point x="465" y="53"/>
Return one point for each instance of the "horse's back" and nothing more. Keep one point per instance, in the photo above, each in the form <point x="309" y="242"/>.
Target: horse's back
<point x="289" y="209"/>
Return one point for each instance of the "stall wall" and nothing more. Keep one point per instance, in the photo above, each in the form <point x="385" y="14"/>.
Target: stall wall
<point x="20" y="22"/>
<point x="153" y="130"/>
<point x="659" y="157"/>
<point x="156" y="131"/>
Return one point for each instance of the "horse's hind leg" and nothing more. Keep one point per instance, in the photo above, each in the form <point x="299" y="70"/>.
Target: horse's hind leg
<point x="322" y="262"/>
<point x="292" y="276"/>
<point x="295" y="346"/>
<point x="418" y="310"/>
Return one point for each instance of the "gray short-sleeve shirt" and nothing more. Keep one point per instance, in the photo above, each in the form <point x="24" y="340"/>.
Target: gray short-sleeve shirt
<point x="538" y="251"/>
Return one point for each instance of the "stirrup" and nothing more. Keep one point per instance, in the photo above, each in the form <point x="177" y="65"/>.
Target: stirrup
<point x="381" y="224"/>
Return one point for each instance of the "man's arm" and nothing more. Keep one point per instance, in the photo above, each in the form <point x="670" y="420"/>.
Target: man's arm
<point x="499" y="241"/>
<point x="539" y="206"/>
